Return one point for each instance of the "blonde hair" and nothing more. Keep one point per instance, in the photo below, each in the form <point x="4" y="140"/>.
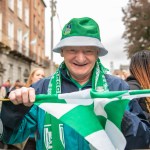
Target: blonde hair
<point x="29" y="81"/>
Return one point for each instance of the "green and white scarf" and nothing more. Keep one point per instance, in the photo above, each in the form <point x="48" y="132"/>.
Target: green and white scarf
<point x="53" y="128"/>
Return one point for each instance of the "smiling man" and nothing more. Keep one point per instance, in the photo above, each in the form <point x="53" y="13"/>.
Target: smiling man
<point x="80" y="61"/>
<point x="81" y="69"/>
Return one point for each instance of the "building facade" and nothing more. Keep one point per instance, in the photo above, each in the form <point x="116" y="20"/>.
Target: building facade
<point x="22" y="39"/>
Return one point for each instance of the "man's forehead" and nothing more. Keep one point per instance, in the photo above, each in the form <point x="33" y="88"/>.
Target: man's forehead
<point x="81" y="47"/>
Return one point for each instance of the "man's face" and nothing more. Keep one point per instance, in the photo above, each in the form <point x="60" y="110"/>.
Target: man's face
<point x="80" y="60"/>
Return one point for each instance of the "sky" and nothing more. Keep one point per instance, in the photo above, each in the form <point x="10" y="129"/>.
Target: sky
<point x="108" y="15"/>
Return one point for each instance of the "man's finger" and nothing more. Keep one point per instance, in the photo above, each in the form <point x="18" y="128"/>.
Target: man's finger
<point x="31" y="95"/>
<point x="25" y="95"/>
<point x="12" y="97"/>
<point x="18" y="95"/>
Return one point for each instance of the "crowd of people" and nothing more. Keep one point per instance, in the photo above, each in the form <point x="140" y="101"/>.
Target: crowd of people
<point x="123" y="74"/>
<point x="81" y="48"/>
<point x="8" y="86"/>
<point x="35" y="75"/>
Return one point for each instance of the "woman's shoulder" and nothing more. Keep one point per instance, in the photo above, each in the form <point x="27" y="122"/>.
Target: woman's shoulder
<point x="41" y="86"/>
<point x="133" y="83"/>
<point x="115" y="83"/>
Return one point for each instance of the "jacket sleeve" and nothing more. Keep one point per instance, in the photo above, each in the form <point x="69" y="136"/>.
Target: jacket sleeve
<point x="18" y="120"/>
<point x="11" y="116"/>
<point x="136" y="127"/>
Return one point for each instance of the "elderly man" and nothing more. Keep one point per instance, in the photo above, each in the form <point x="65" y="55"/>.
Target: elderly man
<point x="80" y="46"/>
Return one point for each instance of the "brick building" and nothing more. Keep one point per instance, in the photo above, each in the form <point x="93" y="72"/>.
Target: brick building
<point x="22" y="38"/>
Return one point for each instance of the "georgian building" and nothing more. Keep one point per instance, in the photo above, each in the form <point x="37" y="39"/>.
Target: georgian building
<point x="22" y="39"/>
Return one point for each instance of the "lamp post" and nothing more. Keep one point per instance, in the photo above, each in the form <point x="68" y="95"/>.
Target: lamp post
<point x="53" y="13"/>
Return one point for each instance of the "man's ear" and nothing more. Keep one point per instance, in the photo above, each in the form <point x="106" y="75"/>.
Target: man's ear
<point x="61" y="53"/>
<point x="98" y="53"/>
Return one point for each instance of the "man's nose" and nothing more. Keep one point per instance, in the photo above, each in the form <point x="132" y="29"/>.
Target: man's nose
<point x="40" y="76"/>
<point x="80" y="56"/>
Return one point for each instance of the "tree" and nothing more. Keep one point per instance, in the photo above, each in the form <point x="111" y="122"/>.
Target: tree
<point x="137" y="26"/>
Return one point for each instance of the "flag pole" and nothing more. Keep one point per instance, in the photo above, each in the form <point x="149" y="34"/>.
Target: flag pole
<point x="53" y="13"/>
<point x="4" y="99"/>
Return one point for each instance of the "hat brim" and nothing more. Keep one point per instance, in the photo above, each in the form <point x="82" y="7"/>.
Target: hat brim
<point x="81" y="41"/>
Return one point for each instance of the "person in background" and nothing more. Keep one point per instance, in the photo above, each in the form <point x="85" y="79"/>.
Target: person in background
<point x="5" y="88"/>
<point x="126" y="74"/>
<point x="16" y="85"/>
<point x="35" y="75"/>
<point x="139" y="109"/>
<point x="81" y="47"/>
<point x="123" y="74"/>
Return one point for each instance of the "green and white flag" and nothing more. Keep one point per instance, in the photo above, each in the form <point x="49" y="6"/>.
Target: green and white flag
<point x="95" y="116"/>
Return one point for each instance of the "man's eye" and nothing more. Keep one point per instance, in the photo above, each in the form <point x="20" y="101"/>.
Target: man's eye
<point x="72" y="51"/>
<point x="88" y="52"/>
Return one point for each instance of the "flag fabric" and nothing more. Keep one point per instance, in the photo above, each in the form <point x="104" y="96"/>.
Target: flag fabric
<point x="101" y="114"/>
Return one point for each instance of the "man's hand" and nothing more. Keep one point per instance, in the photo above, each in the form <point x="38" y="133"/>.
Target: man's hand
<point x="23" y="95"/>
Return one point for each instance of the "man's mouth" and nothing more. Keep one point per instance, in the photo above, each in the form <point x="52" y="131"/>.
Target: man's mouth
<point x="80" y="65"/>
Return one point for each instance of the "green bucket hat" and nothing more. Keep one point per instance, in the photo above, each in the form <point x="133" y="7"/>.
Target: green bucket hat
<point x="81" y="32"/>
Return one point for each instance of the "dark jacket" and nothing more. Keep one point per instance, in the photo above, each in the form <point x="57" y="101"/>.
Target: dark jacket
<point x="136" y="121"/>
<point x="18" y="113"/>
<point x="135" y="85"/>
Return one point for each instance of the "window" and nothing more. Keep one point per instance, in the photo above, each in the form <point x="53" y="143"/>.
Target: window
<point x="34" y="20"/>
<point x="10" y="30"/>
<point x="26" y="41"/>
<point x="38" y="54"/>
<point x="35" y="1"/>
<point x="27" y="16"/>
<point x="0" y="26"/>
<point x="19" y="39"/>
<point x="1" y="79"/>
<point x="10" y="72"/>
<point x="34" y="24"/>
<point x="39" y="9"/>
<point x="38" y="27"/>
<point x="11" y="4"/>
<point x="0" y="22"/>
<point x="19" y="73"/>
<point x="19" y="8"/>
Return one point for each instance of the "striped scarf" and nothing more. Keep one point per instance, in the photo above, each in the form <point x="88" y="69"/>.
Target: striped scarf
<point x="53" y="128"/>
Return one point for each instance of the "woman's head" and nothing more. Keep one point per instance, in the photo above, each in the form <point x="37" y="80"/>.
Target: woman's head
<point x="35" y="75"/>
<point x="140" y="67"/>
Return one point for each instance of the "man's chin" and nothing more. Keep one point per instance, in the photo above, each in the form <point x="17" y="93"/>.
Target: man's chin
<point x="80" y="75"/>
